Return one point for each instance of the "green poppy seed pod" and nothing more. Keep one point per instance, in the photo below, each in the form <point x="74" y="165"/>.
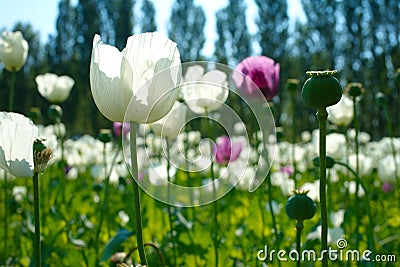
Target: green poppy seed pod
<point x="321" y="89"/>
<point x="292" y="85"/>
<point x="329" y="162"/>
<point x="300" y="206"/>
<point x="354" y="89"/>
<point x="55" y="112"/>
<point x="104" y="135"/>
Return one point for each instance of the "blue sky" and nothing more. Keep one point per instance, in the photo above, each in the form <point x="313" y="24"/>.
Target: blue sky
<point x="42" y="15"/>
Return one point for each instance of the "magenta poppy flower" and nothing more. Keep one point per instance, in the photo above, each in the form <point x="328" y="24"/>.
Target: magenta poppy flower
<point x="118" y="126"/>
<point x="387" y="187"/>
<point x="225" y="151"/>
<point x="262" y="75"/>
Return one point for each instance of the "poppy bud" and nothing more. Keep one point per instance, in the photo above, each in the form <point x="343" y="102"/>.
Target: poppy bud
<point x="104" y="135"/>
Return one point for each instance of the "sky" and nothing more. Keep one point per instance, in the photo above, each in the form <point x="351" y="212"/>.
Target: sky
<point x="42" y="14"/>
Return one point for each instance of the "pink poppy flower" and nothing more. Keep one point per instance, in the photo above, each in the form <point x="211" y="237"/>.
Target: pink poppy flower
<point x="257" y="73"/>
<point x="225" y="151"/>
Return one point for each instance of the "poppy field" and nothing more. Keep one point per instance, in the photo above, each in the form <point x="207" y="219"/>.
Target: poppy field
<point x="194" y="171"/>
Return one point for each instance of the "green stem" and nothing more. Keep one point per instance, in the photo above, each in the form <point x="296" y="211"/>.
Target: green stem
<point x="322" y="115"/>
<point x="36" y="203"/>
<point x="215" y="203"/>
<point x="357" y="200"/>
<point x="171" y="226"/>
<point x="367" y="204"/>
<point x="5" y="218"/>
<point x="299" y="228"/>
<point x="269" y="192"/>
<point x="57" y="129"/>
<point x="189" y="184"/>
<point x="136" y="192"/>
<point x="293" y="100"/>
<point x="12" y="90"/>
<point x="261" y="206"/>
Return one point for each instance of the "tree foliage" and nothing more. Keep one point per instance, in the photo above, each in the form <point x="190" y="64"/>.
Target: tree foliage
<point x="360" y="38"/>
<point x="186" y="28"/>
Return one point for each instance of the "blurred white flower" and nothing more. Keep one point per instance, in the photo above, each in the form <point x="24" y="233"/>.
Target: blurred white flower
<point x="158" y="174"/>
<point x="363" y="137"/>
<point x="19" y="193"/>
<point x="386" y="168"/>
<point x="365" y="164"/>
<point x="351" y="186"/>
<point x="336" y="218"/>
<point x="124" y="217"/>
<point x="171" y="124"/>
<point x="335" y="144"/>
<point x="283" y="181"/>
<point x="204" y="92"/>
<point x="305" y="136"/>
<point x="276" y="207"/>
<point x="313" y="190"/>
<point x="54" y="88"/>
<point x="140" y="81"/>
<point x="341" y="113"/>
<point x="334" y="234"/>
<point x="17" y="134"/>
<point x="13" y="50"/>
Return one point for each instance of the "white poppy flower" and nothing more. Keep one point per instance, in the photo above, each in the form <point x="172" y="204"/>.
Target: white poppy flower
<point x="387" y="168"/>
<point x="13" y="50"/>
<point x="342" y="113"/>
<point x="204" y="92"/>
<point x="365" y="164"/>
<point x="171" y="124"/>
<point x="139" y="81"/>
<point x="54" y="88"/>
<point x="17" y="134"/>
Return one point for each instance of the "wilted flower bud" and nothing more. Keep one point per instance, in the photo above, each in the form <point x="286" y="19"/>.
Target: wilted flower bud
<point x="55" y="112"/>
<point x="104" y="135"/>
<point x="41" y="156"/>
<point x="354" y="89"/>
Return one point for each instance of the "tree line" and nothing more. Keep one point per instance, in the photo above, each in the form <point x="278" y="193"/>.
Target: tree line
<point x="359" y="38"/>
